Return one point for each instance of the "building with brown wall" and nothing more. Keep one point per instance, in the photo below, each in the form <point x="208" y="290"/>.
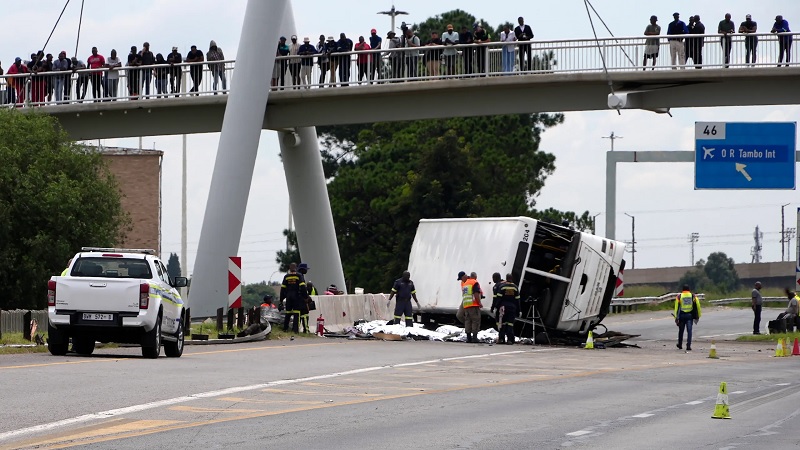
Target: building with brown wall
<point x="138" y="174"/>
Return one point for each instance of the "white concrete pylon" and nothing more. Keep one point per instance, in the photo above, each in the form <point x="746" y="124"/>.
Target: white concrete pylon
<point x="236" y="157"/>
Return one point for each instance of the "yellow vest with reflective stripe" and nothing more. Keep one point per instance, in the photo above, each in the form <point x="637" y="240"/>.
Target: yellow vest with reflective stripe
<point x="686" y="302"/>
<point x="467" y="298"/>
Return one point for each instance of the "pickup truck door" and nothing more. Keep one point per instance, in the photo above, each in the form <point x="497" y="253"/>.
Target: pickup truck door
<point x="171" y="303"/>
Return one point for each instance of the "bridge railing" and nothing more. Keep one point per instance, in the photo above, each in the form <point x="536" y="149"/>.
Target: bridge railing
<point x="385" y="66"/>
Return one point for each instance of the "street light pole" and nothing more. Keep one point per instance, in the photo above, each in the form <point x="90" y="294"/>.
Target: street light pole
<point x="613" y="137"/>
<point x="783" y="234"/>
<point x="594" y="223"/>
<point x="393" y="13"/>
<point x="633" y="239"/>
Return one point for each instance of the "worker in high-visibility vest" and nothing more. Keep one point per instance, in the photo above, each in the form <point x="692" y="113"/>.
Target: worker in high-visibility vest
<point x="293" y="291"/>
<point x="471" y="302"/>
<point x="687" y="311"/>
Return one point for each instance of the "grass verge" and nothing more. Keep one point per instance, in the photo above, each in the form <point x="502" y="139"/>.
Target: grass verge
<point x="17" y="339"/>
<point x="769" y="337"/>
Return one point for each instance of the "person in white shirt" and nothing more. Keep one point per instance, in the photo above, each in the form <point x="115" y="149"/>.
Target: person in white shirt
<point x="508" y="37"/>
<point x="112" y="76"/>
<point x="450" y="38"/>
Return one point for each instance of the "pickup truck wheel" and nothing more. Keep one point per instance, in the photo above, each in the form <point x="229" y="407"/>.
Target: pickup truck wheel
<point x="175" y="349"/>
<point x="82" y="345"/>
<point x="152" y="346"/>
<point x="57" y="343"/>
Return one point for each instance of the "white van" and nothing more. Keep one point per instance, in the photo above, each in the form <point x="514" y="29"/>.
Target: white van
<point x="567" y="275"/>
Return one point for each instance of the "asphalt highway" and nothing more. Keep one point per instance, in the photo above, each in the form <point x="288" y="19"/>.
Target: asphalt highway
<point x="332" y="393"/>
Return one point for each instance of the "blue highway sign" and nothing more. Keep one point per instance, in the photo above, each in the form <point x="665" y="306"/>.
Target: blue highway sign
<point x="744" y="155"/>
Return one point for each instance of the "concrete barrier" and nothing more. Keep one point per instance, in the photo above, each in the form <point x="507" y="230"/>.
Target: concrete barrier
<point x="340" y="311"/>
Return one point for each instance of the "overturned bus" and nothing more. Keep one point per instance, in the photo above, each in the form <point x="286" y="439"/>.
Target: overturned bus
<point x="566" y="278"/>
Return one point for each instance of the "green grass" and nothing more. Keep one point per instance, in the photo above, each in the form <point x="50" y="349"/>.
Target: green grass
<point x="769" y="337"/>
<point x="16" y="339"/>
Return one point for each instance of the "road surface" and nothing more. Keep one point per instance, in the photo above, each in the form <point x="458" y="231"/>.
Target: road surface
<point x="327" y="394"/>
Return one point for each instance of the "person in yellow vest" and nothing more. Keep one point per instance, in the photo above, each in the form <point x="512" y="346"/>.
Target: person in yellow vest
<point x="64" y="272"/>
<point x="471" y="301"/>
<point x="792" y="313"/>
<point x="687" y="311"/>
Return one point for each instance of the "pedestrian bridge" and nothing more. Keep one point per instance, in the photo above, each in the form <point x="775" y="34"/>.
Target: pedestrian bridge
<point x="566" y="75"/>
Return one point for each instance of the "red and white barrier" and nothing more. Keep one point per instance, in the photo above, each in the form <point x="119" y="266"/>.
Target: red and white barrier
<point x="619" y="288"/>
<point x="234" y="282"/>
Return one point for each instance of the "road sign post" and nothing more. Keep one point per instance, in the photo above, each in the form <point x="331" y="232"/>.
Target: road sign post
<point x="745" y="155"/>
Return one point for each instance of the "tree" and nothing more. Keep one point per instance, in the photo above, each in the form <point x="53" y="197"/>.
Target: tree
<point x="253" y="294"/>
<point x="717" y="273"/>
<point x="398" y="173"/>
<point x="173" y="266"/>
<point x="55" y="197"/>
<point x="291" y="254"/>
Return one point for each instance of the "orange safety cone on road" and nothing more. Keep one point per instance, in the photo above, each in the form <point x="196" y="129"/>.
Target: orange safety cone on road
<point x="796" y="349"/>
<point x="589" y="341"/>
<point x="712" y="353"/>
<point x="721" y="410"/>
<point x="779" y="348"/>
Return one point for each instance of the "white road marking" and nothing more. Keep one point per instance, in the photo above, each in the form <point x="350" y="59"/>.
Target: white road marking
<point x="643" y="415"/>
<point x="718" y="335"/>
<point x="579" y="433"/>
<point x="783" y="384"/>
<point x="232" y="390"/>
<point x="696" y="402"/>
<point x="738" y="392"/>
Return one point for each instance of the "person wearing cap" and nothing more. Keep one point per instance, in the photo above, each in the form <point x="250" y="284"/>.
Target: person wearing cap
<point x="362" y="59"/>
<point x="404" y="289"/>
<point x="395" y="57"/>
<point x="450" y="39"/>
<point x="523" y="33"/>
<point x="293" y="291"/>
<point x="307" y="52"/>
<point x="375" y="43"/>
<point x="214" y="55"/>
<point x="305" y="304"/>
<point x="471" y="303"/>
<point x="175" y="71"/>
<point x="344" y="45"/>
<point x="651" y="45"/>
<point x="749" y="28"/>
<point x="17" y="83"/>
<point x="695" y="41"/>
<point x="148" y="59"/>
<point x="113" y="63"/>
<point x="756" y="303"/>
<point x="677" y="51"/>
<point x="294" y="62"/>
<point x="781" y="25"/>
<point x="63" y="65"/>
<point x="726" y="28"/>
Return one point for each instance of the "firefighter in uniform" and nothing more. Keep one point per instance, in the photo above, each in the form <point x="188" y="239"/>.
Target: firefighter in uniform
<point x="509" y="309"/>
<point x="310" y="290"/>
<point x="687" y="310"/>
<point x="293" y="290"/>
<point x="495" y="309"/>
<point x="404" y="289"/>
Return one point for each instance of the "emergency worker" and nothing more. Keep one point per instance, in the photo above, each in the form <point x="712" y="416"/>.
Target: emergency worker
<point x="293" y="290"/>
<point x="310" y="290"/>
<point x="509" y="309"/>
<point x="687" y="311"/>
<point x="267" y="308"/>
<point x="404" y="289"/>
<point x="792" y="313"/>
<point x="495" y="309"/>
<point x="471" y="301"/>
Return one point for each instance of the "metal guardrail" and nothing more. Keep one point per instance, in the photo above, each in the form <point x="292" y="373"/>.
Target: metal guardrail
<point x="647" y="300"/>
<point x="369" y="67"/>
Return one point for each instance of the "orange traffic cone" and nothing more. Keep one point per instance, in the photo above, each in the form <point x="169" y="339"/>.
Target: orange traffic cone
<point x="796" y="349"/>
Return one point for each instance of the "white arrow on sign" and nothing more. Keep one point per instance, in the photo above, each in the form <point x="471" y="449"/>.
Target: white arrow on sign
<point x="740" y="168"/>
<point x="708" y="153"/>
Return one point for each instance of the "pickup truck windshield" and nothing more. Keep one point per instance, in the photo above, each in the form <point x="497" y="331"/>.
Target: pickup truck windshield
<point x="111" y="268"/>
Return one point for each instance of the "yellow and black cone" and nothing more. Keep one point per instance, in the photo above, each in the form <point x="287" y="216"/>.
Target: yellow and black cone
<point x="721" y="410"/>
<point x="712" y="353"/>
<point x="589" y="341"/>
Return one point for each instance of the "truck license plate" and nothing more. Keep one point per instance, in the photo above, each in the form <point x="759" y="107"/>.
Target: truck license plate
<point x="96" y="316"/>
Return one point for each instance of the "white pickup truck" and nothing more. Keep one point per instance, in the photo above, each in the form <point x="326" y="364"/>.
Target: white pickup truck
<point x="115" y="295"/>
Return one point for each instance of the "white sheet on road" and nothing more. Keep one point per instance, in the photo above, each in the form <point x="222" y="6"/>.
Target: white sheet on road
<point x="443" y="333"/>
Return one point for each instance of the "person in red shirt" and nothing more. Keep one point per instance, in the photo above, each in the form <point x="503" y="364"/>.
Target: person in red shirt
<point x="96" y="61"/>
<point x="363" y="59"/>
<point x="18" y="83"/>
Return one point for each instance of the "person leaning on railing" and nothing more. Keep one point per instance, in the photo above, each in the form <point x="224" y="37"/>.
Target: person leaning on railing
<point x="781" y="26"/>
<point x="433" y="56"/>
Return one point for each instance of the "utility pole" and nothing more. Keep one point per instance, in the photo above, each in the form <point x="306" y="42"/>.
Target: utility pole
<point x="694" y="237"/>
<point x="613" y="137"/>
<point x="393" y="13"/>
<point x="184" y="246"/>
<point x="783" y="234"/>
<point x="594" y="223"/>
<point x="756" y="250"/>
<point x="633" y="238"/>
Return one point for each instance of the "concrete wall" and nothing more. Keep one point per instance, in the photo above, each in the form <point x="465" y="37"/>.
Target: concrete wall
<point x="138" y="173"/>
<point x="772" y="274"/>
<point x="340" y="311"/>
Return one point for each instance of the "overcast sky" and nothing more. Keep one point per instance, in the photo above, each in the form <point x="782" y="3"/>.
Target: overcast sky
<point x="660" y="196"/>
